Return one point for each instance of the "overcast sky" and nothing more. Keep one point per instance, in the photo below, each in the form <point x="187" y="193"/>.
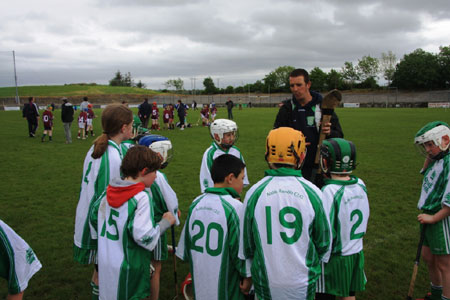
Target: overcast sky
<point x="233" y="41"/>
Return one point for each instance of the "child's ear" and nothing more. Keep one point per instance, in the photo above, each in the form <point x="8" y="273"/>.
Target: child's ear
<point x="229" y="178"/>
<point x="445" y="141"/>
<point x="216" y="137"/>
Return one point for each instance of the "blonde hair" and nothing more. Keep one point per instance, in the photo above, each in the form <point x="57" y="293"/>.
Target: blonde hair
<point x="114" y="116"/>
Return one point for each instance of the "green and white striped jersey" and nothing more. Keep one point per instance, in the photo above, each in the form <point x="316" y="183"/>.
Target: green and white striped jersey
<point x="164" y="198"/>
<point x="349" y="214"/>
<point x="97" y="174"/>
<point x="210" y="242"/>
<point x="208" y="157"/>
<point x="18" y="260"/>
<point x="286" y="232"/>
<point x="126" y="234"/>
<point x="436" y="186"/>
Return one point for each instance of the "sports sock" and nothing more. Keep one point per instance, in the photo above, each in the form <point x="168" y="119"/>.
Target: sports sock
<point x="49" y="137"/>
<point x="43" y="137"/>
<point x="436" y="292"/>
<point x="95" y="291"/>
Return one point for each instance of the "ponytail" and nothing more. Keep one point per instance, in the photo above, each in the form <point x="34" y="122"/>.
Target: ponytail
<point x="114" y="116"/>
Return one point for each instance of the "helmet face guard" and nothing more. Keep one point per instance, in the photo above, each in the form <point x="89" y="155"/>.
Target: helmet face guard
<point x="432" y="132"/>
<point x="160" y="145"/>
<point x="285" y="146"/>
<point x="219" y="128"/>
<point x="337" y="156"/>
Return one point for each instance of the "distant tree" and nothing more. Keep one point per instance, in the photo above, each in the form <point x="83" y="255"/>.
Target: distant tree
<point x="229" y="90"/>
<point x="368" y="67"/>
<point x="444" y="65"/>
<point x="278" y="80"/>
<point x="177" y="84"/>
<point x="418" y="70"/>
<point x="140" y="85"/>
<point x="349" y="73"/>
<point x="122" y="80"/>
<point x="239" y="90"/>
<point x="210" y="88"/>
<point x="387" y="64"/>
<point x="258" y="87"/>
<point x="117" y="80"/>
<point x="334" y="80"/>
<point x="318" y="79"/>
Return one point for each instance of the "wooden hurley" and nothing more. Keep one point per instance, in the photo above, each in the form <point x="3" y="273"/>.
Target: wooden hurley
<point x="329" y="103"/>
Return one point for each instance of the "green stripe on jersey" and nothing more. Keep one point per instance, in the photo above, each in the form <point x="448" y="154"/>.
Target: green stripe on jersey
<point x="336" y="224"/>
<point x="253" y="245"/>
<point x="6" y="248"/>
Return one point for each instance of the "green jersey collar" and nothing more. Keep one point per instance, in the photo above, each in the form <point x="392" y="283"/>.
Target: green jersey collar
<point x="223" y="191"/>
<point x="283" y="172"/>
<point x="214" y="144"/>
<point x="352" y="180"/>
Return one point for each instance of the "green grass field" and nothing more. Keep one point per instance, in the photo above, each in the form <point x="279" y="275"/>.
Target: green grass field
<point x="40" y="183"/>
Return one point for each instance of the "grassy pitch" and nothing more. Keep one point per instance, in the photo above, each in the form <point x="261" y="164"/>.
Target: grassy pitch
<point x="40" y="183"/>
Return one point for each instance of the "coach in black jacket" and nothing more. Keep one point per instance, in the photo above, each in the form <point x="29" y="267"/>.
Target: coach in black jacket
<point x="31" y="113"/>
<point x="302" y="112"/>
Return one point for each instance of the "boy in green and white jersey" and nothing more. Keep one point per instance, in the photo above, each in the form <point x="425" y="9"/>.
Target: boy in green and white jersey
<point x="18" y="263"/>
<point x="346" y="202"/>
<point x="164" y="199"/>
<point x="224" y="134"/>
<point x="285" y="229"/>
<point x="433" y="140"/>
<point x="210" y="237"/>
<point x="126" y="228"/>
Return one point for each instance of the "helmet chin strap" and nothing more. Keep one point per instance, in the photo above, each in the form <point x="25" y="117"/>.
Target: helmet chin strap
<point x="226" y="146"/>
<point x="440" y="155"/>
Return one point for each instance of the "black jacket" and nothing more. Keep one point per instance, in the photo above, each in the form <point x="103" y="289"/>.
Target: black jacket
<point x="291" y="114"/>
<point x="67" y="112"/>
<point x="145" y="109"/>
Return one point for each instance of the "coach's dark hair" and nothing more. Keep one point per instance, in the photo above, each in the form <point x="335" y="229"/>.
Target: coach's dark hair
<point x="300" y="72"/>
<point x="30" y="99"/>
<point x="224" y="165"/>
<point x="137" y="159"/>
<point x="114" y="116"/>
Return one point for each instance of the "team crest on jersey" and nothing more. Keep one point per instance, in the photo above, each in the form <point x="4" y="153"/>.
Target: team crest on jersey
<point x="146" y="240"/>
<point x="310" y="120"/>
<point x="30" y="256"/>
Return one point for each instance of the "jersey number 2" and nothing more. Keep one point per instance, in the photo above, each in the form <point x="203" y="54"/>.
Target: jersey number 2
<point x="359" y="216"/>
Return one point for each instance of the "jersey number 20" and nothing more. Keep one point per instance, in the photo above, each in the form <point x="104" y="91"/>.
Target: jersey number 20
<point x="195" y="239"/>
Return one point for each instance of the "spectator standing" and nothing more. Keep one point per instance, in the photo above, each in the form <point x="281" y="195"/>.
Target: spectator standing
<point x="230" y="105"/>
<point x="144" y="112"/>
<point x="31" y="113"/>
<point x="84" y="104"/>
<point x="181" y="109"/>
<point x="67" y="118"/>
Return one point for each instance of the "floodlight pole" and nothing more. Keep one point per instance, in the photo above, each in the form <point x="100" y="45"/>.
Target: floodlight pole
<point x="15" y="78"/>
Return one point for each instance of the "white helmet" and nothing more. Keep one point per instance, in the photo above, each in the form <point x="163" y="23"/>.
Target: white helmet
<point x="159" y="144"/>
<point x="221" y="126"/>
<point x="433" y="131"/>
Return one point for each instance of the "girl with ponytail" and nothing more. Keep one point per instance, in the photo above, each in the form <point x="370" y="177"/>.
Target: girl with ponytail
<point x="102" y="163"/>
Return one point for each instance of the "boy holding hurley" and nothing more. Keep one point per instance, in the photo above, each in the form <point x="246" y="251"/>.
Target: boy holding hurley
<point x="210" y="237"/>
<point x="434" y="140"/>
<point x="123" y="217"/>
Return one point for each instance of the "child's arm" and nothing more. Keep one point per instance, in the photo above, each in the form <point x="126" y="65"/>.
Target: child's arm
<point x="431" y="219"/>
<point x="245" y="285"/>
<point x="169" y="195"/>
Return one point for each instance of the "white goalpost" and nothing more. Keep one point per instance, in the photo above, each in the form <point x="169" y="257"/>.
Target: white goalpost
<point x="8" y="74"/>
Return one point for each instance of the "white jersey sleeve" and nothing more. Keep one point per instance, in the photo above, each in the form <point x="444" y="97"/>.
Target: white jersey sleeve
<point x="22" y="262"/>
<point x="169" y="195"/>
<point x="205" y="173"/>
<point x="145" y="233"/>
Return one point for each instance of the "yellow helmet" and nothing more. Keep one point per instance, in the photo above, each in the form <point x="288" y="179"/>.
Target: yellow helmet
<point x="285" y="145"/>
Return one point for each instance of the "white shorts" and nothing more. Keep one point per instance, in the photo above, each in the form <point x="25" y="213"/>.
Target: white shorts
<point x="81" y="125"/>
<point x="89" y="122"/>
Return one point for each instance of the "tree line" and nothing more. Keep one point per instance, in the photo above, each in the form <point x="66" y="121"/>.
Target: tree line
<point x="418" y="70"/>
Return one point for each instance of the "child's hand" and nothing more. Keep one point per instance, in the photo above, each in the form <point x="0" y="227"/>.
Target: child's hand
<point x="245" y="285"/>
<point x="426" y="219"/>
<point x="169" y="217"/>
<point x="179" y="213"/>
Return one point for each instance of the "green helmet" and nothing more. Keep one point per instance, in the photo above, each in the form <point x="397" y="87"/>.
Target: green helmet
<point x="433" y="131"/>
<point x="337" y="156"/>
